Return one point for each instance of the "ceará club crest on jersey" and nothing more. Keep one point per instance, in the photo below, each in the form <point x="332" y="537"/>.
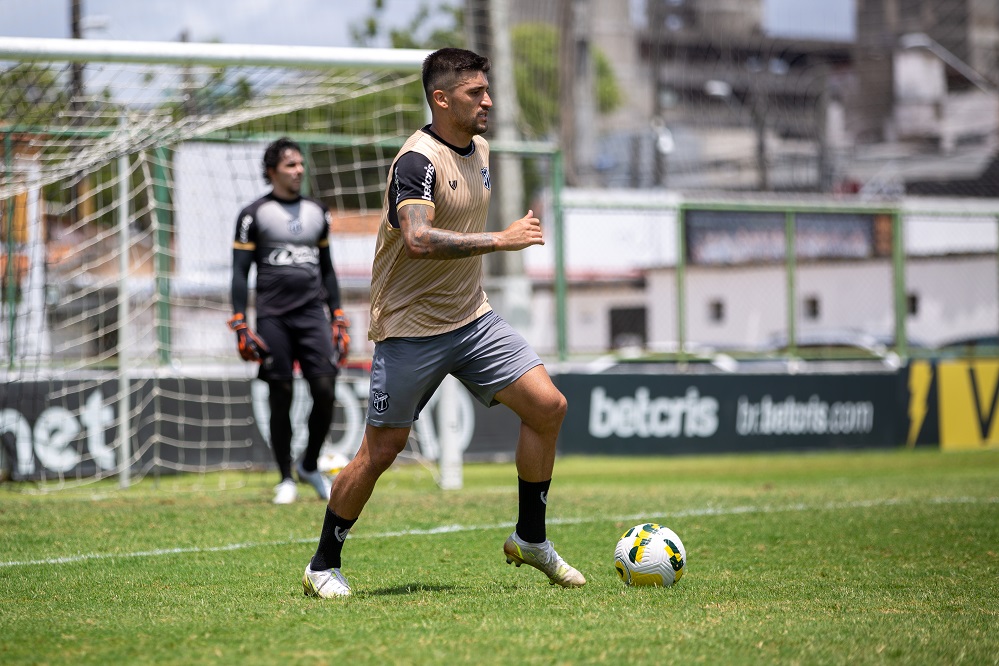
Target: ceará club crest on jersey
<point x="485" y="177"/>
<point x="379" y="401"/>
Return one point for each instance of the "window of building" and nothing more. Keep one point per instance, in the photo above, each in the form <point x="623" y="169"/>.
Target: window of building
<point x="716" y="310"/>
<point x="812" y="309"/>
<point x="912" y="304"/>
<point x="627" y="327"/>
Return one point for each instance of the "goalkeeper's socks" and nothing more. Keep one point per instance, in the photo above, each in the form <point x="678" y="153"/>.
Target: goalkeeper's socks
<point x="331" y="541"/>
<point x="531" y="516"/>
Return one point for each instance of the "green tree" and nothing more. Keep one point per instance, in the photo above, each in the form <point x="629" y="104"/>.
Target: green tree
<point x="424" y="31"/>
<point x="535" y="50"/>
<point x="31" y="96"/>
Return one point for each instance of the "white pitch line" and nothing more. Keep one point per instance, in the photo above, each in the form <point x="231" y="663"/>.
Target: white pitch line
<point x="450" y="529"/>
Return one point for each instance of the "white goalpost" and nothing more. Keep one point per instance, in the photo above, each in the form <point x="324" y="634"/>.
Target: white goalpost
<point x="122" y="168"/>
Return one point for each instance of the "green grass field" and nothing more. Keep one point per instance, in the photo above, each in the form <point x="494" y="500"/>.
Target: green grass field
<point x="859" y="558"/>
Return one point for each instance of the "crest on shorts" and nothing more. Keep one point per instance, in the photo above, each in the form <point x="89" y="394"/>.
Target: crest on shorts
<point x="379" y="401"/>
<point x="453" y="184"/>
<point x="485" y="176"/>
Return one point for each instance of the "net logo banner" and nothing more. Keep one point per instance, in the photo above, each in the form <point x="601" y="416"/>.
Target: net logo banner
<point x="648" y="414"/>
<point x="70" y="429"/>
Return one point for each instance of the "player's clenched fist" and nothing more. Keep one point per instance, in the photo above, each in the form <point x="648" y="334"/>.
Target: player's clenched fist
<point x="525" y="232"/>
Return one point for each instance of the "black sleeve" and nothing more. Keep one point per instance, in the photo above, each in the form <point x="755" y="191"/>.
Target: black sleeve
<point x="413" y="177"/>
<point x="329" y="279"/>
<point x="241" y="262"/>
<point x="246" y="225"/>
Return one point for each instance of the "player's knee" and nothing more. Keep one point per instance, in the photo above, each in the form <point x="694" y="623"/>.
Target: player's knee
<point x="380" y="458"/>
<point x="280" y="395"/>
<point x="323" y="390"/>
<point x="383" y="449"/>
<point x="558" y="406"/>
<point x="549" y="412"/>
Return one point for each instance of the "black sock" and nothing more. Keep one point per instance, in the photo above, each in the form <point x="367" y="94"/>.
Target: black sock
<point x="280" y="404"/>
<point x="320" y="418"/>
<point x="331" y="541"/>
<point x="531" y="517"/>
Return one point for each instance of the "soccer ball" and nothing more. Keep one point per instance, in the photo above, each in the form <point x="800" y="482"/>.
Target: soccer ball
<point x="332" y="463"/>
<point x="650" y="554"/>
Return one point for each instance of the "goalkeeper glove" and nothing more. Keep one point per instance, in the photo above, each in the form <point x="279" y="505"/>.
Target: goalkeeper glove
<point x="341" y="338"/>
<point x="251" y="346"/>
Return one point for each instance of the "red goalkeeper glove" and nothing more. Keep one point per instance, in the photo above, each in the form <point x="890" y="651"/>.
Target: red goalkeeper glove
<point x="251" y="346"/>
<point x="341" y="338"/>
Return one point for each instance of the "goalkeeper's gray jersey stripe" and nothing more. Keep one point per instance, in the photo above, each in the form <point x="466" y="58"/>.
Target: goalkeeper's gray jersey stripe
<point x="421" y="297"/>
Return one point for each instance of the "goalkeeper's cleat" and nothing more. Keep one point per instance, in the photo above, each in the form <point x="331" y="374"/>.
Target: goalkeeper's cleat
<point x="542" y="556"/>
<point x="317" y="480"/>
<point x="285" y="492"/>
<point x="326" y="584"/>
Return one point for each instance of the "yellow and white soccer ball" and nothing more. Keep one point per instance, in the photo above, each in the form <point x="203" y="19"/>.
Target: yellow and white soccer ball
<point x="650" y="554"/>
<point x="331" y="463"/>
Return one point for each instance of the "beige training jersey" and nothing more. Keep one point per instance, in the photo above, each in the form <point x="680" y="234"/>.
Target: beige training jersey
<point x="422" y="297"/>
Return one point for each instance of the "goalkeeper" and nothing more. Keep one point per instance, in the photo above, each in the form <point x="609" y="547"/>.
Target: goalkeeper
<point x="299" y="318"/>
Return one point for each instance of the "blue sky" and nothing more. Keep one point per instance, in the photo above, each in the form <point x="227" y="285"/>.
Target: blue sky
<point x="821" y="19"/>
<point x="315" y="22"/>
<point x="283" y="22"/>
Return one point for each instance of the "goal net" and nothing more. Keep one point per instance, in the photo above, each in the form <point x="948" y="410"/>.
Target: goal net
<point x="123" y="168"/>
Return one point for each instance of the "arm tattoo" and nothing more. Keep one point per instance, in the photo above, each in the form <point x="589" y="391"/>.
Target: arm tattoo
<point x="427" y="242"/>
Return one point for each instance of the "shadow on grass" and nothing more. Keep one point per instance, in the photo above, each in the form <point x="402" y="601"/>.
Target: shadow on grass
<point x="411" y="588"/>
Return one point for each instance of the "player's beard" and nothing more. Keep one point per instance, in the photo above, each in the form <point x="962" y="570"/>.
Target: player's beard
<point x="475" y="126"/>
<point x="292" y="186"/>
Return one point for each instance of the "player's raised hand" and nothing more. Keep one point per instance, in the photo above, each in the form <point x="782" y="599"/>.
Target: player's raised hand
<point x="525" y="232"/>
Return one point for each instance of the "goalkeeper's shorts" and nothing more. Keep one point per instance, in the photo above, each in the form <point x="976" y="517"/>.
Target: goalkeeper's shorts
<point x="301" y="335"/>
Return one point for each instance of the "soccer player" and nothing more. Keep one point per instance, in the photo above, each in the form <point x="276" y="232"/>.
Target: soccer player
<point x="298" y="309"/>
<point x="430" y="318"/>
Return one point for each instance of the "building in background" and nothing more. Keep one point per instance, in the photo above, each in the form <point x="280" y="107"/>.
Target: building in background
<point x="714" y="101"/>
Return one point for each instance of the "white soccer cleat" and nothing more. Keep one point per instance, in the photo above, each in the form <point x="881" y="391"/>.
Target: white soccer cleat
<point x="326" y="584"/>
<point x="285" y="492"/>
<point x="317" y="480"/>
<point x="542" y="556"/>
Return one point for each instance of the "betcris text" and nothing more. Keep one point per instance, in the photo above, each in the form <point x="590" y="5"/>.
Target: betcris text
<point x="642" y="415"/>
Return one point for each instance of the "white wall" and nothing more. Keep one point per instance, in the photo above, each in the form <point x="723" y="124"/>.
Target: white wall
<point x="212" y="183"/>
<point x="957" y="296"/>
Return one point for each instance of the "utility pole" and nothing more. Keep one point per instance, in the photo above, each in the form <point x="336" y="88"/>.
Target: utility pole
<point x="657" y="26"/>
<point x="488" y="32"/>
<point x="566" y="89"/>
<point x="76" y="77"/>
<point x="83" y="208"/>
<point x="187" y="81"/>
<point x="758" y="112"/>
<point x="577" y="99"/>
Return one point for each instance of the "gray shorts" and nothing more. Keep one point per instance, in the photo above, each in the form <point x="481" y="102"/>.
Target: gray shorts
<point x="486" y="355"/>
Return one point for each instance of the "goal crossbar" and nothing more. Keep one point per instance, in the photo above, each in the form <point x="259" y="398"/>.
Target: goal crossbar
<point x="191" y="53"/>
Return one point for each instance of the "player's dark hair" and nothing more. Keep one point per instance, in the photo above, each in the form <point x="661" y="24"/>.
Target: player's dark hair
<point x="273" y="153"/>
<point x="444" y="68"/>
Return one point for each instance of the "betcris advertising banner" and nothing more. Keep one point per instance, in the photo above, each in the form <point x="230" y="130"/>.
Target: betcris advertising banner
<point x="665" y="414"/>
<point x="70" y="428"/>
